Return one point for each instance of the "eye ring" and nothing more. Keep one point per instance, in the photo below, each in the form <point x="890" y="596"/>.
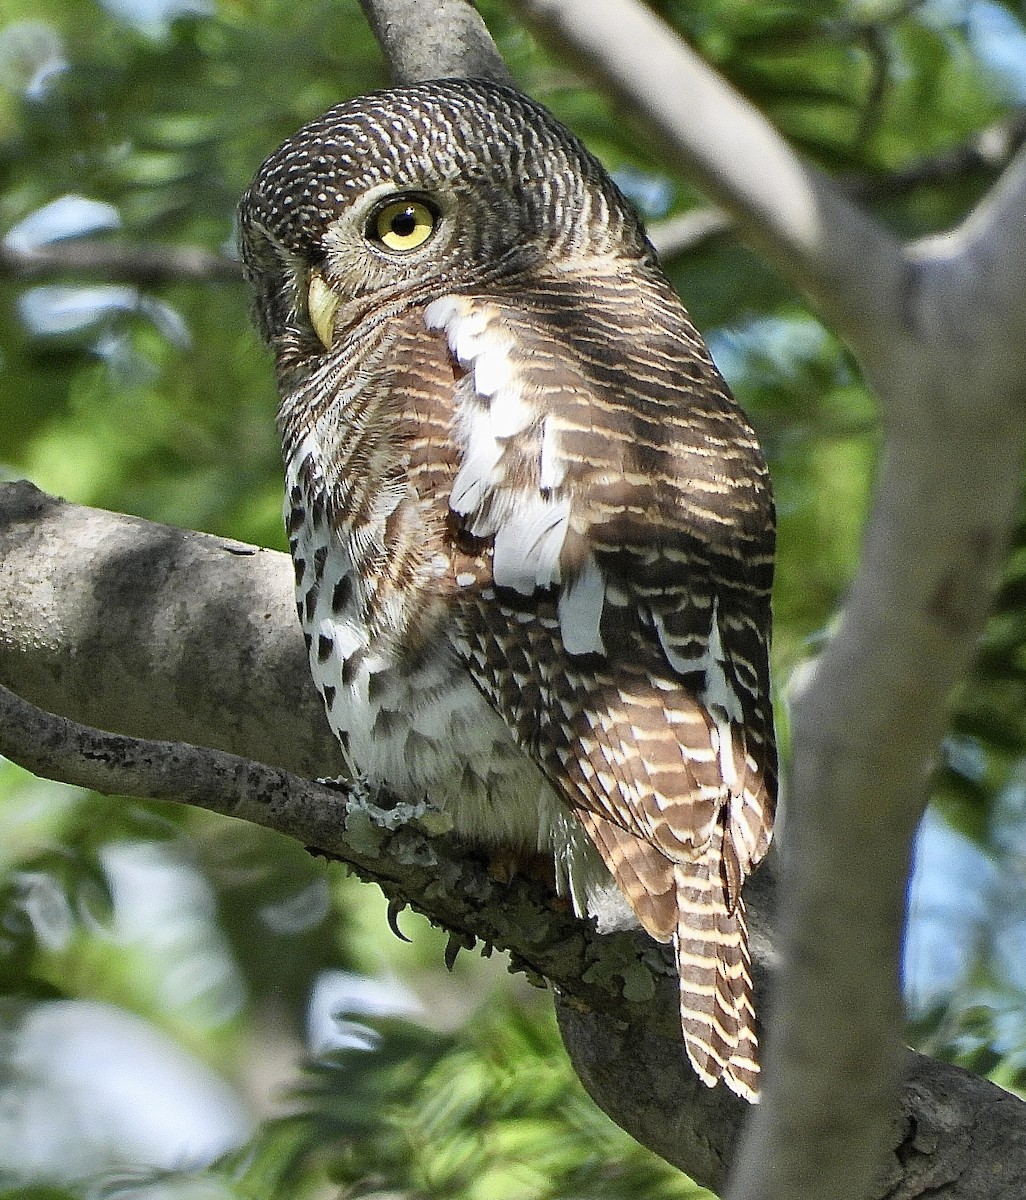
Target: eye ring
<point x="403" y="223"/>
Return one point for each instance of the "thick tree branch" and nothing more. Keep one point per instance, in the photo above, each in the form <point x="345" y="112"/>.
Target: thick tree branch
<point x="867" y="724"/>
<point x="191" y="595"/>
<point x="127" y="626"/>
<point x="955" y="1137"/>
<point x="991" y="150"/>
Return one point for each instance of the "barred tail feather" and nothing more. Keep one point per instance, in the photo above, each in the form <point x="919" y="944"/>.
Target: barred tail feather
<point x="642" y="873"/>
<point x="686" y="903"/>
<point x="713" y="961"/>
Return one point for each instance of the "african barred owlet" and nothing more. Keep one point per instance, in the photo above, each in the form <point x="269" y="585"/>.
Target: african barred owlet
<point x="532" y="532"/>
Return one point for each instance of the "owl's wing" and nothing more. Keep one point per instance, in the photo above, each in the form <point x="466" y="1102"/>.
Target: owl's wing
<point x="626" y="505"/>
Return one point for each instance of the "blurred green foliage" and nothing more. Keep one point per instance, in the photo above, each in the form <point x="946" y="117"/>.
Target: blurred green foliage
<point x="478" y="1115"/>
<point x="157" y="399"/>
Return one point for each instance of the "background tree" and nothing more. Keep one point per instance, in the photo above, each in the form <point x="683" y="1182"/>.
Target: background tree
<point x="143" y="390"/>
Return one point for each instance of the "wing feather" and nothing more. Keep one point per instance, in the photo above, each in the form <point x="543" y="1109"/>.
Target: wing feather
<point x="625" y="497"/>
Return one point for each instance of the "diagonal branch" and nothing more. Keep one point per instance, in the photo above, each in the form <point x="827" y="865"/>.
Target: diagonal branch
<point x="390" y="843"/>
<point x="790" y="211"/>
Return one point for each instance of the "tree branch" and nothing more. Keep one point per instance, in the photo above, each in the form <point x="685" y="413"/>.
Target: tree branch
<point x="393" y="844"/>
<point x="435" y="41"/>
<point x="687" y="232"/>
<point x="983" y="262"/>
<point x="190" y="593"/>
<point x="793" y="213"/>
<point x="142" y="264"/>
<point x="124" y="625"/>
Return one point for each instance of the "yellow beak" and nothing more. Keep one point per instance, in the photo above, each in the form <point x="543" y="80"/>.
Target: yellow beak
<point x="321" y="304"/>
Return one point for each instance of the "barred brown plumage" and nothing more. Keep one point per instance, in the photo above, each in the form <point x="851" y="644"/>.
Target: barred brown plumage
<point x="533" y="533"/>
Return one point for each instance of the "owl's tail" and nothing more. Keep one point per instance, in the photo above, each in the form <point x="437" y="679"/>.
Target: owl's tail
<point x="714" y="964"/>
<point x="689" y="904"/>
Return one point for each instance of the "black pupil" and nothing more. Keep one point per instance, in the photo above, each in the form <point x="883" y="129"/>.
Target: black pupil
<point x="404" y="223"/>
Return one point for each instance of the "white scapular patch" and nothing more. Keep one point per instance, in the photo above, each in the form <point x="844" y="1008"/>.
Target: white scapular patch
<point x="529" y="526"/>
<point x="718" y="697"/>
<point x="580" y="611"/>
<point x="718" y="693"/>
<point x="529" y="537"/>
<point x="553" y="466"/>
<point x="463" y="321"/>
<point x="477" y="475"/>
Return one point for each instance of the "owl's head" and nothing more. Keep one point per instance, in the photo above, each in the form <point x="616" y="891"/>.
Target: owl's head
<point x="400" y="196"/>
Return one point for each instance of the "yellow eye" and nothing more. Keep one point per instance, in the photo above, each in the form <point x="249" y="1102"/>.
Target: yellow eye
<point x="403" y="224"/>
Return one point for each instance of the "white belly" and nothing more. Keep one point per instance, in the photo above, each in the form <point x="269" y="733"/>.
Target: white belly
<point x="425" y="732"/>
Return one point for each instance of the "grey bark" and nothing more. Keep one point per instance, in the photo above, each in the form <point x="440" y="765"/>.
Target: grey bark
<point x="955" y="1137"/>
<point x="434" y="40"/>
<point x="156" y="632"/>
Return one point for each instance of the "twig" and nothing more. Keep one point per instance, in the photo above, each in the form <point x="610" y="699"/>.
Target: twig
<point x="144" y="264"/>
<point x="990" y="150"/>
<point x="688" y="232"/>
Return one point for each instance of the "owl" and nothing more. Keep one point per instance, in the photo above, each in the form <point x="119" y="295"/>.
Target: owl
<point x="533" y="533"/>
